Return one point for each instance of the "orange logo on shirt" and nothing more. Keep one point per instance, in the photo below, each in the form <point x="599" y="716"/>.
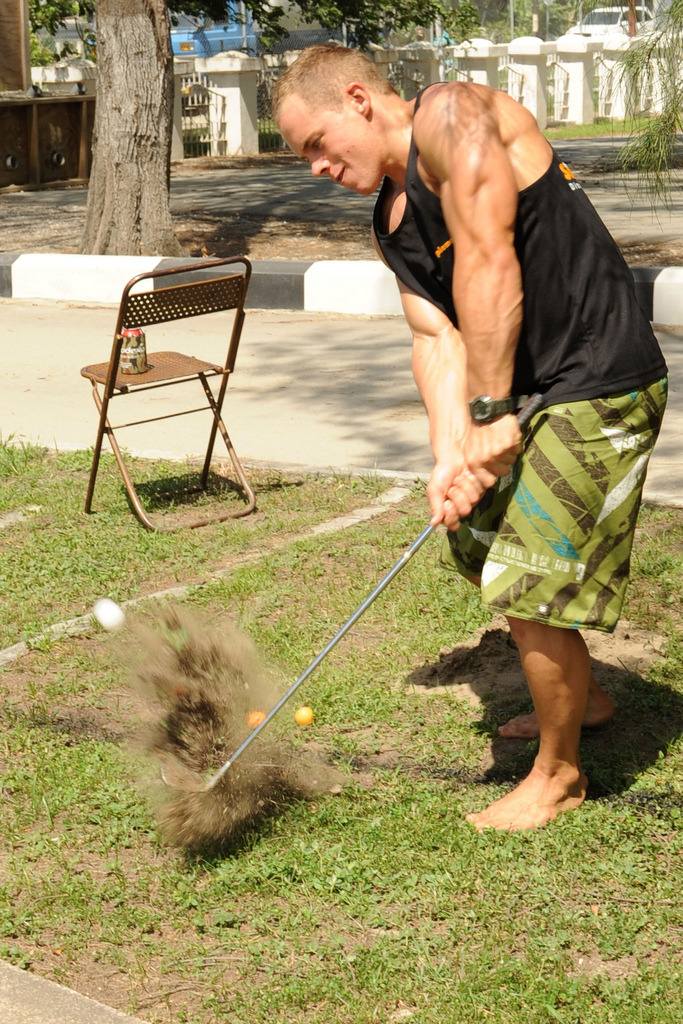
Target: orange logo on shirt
<point x="568" y="176"/>
<point x="440" y="250"/>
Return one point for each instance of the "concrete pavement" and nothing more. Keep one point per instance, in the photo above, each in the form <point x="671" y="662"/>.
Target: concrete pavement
<point x="316" y="390"/>
<point x="28" y="999"/>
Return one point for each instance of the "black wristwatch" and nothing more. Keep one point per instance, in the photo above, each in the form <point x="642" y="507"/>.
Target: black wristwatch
<point x="484" y="409"/>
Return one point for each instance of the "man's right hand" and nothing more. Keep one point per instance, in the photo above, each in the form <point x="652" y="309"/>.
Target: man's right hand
<point x="457" y="484"/>
<point x="452" y="492"/>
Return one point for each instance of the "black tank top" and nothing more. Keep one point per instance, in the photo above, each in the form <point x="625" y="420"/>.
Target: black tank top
<point x="583" y="333"/>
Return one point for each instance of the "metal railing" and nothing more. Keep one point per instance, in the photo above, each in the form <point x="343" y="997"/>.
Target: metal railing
<point x="558" y="91"/>
<point x="269" y="138"/>
<point x="511" y="79"/>
<point x="202" y="117"/>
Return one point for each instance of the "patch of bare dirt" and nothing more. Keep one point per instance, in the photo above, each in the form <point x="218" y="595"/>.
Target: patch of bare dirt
<point x="266" y="238"/>
<point x="592" y="965"/>
<point x="188" y="168"/>
<point x="107" y="717"/>
<point x="488" y="663"/>
<point x="158" y="995"/>
<point x="651" y="253"/>
<point x="485" y="672"/>
<point x="259" y="238"/>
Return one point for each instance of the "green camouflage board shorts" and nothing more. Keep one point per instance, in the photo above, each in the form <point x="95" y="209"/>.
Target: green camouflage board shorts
<point x="552" y="541"/>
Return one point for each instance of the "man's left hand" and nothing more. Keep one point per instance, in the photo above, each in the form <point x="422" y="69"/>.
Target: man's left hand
<point x="493" y="447"/>
<point x="490" y="450"/>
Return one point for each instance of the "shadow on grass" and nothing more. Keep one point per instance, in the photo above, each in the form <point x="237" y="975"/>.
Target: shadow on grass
<point x="184" y="489"/>
<point x="170" y="495"/>
<point x="648" y="719"/>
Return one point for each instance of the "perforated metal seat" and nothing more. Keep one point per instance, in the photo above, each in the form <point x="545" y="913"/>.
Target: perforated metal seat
<point x="162" y="366"/>
<point x="225" y="293"/>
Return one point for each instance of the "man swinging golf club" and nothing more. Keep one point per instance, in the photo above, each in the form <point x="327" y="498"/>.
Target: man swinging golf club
<point x="510" y="285"/>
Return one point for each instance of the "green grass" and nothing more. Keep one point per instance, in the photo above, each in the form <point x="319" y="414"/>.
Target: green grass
<point x="603" y="127"/>
<point x="59" y="560"/>
<point x="379" y="905"/>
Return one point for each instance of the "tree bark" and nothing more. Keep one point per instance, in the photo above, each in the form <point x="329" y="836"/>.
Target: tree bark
<point x="128" y="210"/>
<point x="632" y="23"/>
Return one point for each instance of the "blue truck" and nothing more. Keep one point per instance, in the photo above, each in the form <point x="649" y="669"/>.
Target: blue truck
<point x="201" y="37"/>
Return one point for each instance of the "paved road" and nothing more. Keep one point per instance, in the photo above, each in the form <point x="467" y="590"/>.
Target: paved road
<point x="288" y="192"/>
<point x="318" y="390"/>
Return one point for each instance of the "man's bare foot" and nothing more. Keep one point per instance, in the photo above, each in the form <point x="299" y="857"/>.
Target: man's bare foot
<point x="536" y="801"/>
<point x="599" y="710"/>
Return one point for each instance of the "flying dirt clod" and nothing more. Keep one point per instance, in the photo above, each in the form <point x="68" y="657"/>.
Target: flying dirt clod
<point x="203" y="681"/>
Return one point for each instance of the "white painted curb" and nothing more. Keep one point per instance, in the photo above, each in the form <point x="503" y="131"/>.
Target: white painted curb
<point x="68" y="277"/>
<point x="351" y="286"/>
<point x="667" y="300"/>
<point x="354" y="287"/>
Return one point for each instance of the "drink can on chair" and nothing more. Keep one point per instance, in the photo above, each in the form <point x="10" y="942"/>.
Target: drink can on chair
<point x="133" y="357"/>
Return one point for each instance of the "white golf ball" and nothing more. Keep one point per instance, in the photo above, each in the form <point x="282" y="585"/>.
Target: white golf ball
<point x="108" y="613"/>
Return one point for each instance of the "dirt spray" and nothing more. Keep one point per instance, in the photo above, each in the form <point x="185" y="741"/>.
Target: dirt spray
<point x="203" y="682"/>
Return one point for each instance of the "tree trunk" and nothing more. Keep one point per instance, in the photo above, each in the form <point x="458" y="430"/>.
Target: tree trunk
<point x="128" y="211"/>
<point x="632" y="23"/>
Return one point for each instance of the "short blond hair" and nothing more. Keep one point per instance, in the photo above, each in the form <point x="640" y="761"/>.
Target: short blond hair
<point x="320" y="74"/>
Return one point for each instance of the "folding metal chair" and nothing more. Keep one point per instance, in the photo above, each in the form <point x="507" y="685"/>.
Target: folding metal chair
<point x="163" y="305"/>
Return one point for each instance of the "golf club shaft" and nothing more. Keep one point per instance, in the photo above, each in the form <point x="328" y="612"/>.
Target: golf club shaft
<point x="524" y="416"/>
<point x="405" y="557"/>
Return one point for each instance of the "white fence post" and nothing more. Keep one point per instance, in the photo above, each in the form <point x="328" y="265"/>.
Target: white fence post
<point x="478" y="60"/>
<point x="232" y="81"/>
<point x="577" y="56"/>
<point x="67" y="77"/>
<point x="529" y="59"/>
<point x="421" y="67"/>
<point x="383" y="58"/>
<point x="613" y="89"/>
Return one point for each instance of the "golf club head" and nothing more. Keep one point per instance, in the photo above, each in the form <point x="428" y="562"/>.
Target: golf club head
<point x="175" y="776"/>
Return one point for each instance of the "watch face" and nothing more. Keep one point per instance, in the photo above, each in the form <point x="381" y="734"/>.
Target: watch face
<point x="481" y="408"/>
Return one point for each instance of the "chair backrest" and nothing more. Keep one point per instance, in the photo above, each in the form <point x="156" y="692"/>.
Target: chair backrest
<point x="180" y="301"/>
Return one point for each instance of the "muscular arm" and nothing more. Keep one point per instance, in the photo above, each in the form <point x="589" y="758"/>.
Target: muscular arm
<point x="463" y="159"/>
<point x="463" y="156"/>
<point x="440" y="371"/>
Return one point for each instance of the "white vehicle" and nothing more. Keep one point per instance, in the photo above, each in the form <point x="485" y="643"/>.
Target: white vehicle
<point x="605" y="21"/>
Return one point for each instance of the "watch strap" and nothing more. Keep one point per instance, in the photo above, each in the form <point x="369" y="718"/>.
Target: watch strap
<point x="484" y="409"/>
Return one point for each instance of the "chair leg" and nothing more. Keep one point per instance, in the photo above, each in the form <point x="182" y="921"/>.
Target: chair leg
<point x="218" y="424"/>
<point x="105" y="427"/>
<point x="101" y="429"/>
<point x="138" y="508"/>
<point x="136" y="505"/>
<point x="215" y="404"/>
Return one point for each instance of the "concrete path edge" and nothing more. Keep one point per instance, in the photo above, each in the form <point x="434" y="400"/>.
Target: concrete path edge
<point x="26" y="998"/>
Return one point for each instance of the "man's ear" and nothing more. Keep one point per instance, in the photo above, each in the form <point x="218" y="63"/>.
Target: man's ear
<point x="358" y="95"/>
